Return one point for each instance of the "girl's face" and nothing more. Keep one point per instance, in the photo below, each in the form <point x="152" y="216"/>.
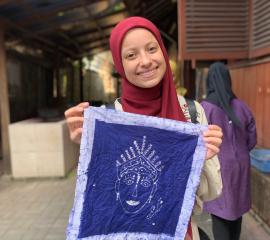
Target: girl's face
<point x="142" y="58"/>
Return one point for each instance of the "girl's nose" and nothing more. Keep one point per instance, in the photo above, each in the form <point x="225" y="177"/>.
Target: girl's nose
<point x="145" y="60"/>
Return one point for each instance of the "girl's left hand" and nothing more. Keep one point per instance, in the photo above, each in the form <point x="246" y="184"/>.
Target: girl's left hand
<point x="213" y="139"/>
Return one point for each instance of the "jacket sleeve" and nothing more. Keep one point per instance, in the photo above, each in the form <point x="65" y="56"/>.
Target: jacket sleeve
<point x="251" y="132"/>
<point x="211" y="183"/>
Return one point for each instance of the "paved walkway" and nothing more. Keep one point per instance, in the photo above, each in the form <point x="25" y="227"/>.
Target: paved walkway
<point x="252" y="227"/>
<point x="39" y="209"/>
<point x="35" y="209"/>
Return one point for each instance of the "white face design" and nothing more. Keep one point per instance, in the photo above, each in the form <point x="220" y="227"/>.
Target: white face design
<point x="135" y="189"/>
<point x="142" y="58"/>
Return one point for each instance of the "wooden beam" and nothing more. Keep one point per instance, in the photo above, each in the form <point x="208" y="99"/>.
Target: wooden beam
<point x="81" y="80"/>
<point x="93" y="40"/>
<point x="181" y="29"/>
<point x="100" y="30"/>
<point x="45" y="15"/>
<point x="26" y="34"/>
<point x="55" y="25"/>
<point x="90" y="30"/>
<point x="92" y="52"/>
<point x="101" y="45"/>
<point x="216" y="55"/>
<point x="5" y="2"/>
<point x="4" y="105"/>
<point x="28" y="8"/>
<point x="259" y="52"/>
<point x="70" y="40"/>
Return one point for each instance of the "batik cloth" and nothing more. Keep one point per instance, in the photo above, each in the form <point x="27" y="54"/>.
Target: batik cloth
<point x="137" y="177"/>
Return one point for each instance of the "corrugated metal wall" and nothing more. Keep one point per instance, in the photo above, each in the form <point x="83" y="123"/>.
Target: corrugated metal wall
<point x="211" y="29"/>
<point x="261" y="24"/>
<point x="224" y="29"/>
<point x="260" y="43"/>
<point x="216" y="25"/>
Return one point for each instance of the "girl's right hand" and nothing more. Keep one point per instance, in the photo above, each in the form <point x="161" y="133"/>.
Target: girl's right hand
<point x="74" y="118"/>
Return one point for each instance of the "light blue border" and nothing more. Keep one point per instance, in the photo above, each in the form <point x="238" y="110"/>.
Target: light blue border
<point x="92" y="114"/>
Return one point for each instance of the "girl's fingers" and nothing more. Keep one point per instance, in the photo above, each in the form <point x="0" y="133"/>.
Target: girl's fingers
<point x="74" y="111"/>
<point x="213" y="134"/>
<point x="74" y="123"/>
<point x="214" y="127"/>
<point x="213" y="131"/>
<point x="76" y="135"/>
<point x="213" y="140"/>
<point x="212" y="150"/>
<point x="83" y="104"/>
<point x="73" y="120"/>
<point x="77" y="110"/>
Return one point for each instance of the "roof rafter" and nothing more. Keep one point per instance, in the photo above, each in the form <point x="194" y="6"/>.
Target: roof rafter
<point x="26" y="34"/>
<point x="30" y="9"/>
<point x="52" y="12"/>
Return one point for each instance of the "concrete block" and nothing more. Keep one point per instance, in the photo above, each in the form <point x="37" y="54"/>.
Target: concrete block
<point x="260" y="191"/>
<point x="41" y="149"/>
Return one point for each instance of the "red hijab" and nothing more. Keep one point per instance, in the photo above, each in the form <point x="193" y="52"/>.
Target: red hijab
<point x="160" y="100"/>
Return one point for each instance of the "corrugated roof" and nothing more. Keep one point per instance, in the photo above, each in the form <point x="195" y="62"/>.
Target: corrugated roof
<point x="77" y="28"/>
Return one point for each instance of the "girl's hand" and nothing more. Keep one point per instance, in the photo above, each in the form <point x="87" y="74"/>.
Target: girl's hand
<point x="213" y="139"/>
<point x="74" y="118"/>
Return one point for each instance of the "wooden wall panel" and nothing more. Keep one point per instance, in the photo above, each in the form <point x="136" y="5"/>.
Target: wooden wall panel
<point x="259" y="96"/>
<point x="252" y="85"/>
<point x="237" y="76"/>
<point x="248" y="84"/>
<point x="266" y="119"/>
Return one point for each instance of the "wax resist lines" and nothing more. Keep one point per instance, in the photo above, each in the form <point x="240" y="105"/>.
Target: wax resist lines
<point x="137" y="177"/>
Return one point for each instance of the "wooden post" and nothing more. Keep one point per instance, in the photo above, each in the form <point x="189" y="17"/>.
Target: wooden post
<point x="57" y="77"/>
<point x="189" y="79"/>
<point x="4" y="105"/>
<point x="81" y="80"/>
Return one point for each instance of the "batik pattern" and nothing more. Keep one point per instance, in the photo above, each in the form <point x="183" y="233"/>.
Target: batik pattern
<point x="137" y="177"/>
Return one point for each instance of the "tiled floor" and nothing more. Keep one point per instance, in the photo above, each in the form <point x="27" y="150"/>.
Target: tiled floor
<point x="252" y="228"/>
<point x="35" y="209"/>
<point x="39" y="209"/>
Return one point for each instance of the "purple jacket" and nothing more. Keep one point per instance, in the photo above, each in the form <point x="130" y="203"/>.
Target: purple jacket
<point x="235" y="199"/>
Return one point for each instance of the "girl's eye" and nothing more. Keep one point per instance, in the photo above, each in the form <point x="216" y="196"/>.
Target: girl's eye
<point x="153" y="49"/>
<point x="130" y="56"/>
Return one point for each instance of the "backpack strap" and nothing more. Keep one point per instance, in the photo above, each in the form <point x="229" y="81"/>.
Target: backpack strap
<point x="111" y="105"/>
<point x="192" y="110"/>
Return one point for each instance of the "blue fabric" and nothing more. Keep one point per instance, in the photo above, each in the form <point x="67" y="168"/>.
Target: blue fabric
<point x="137" y="177"/>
